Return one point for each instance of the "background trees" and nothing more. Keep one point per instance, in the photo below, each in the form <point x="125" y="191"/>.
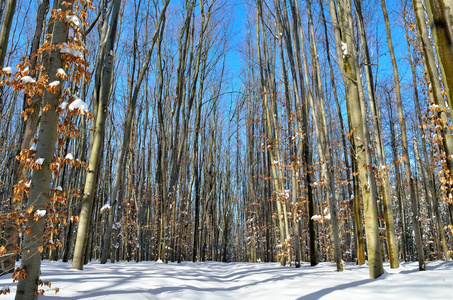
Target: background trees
<point x="213" y="143"/>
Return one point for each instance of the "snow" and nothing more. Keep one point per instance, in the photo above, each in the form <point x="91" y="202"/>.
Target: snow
<point x="27" y="79"/>
<point x="69" y="156"/>
<point x="54" y="83"/>
<point x="70" y="51"/>
<point x="40" y="161"/>
<point x="73" y="19"/>
<point x="213" y="280"/>
<point x="33" y="148"/>
<point x="59" y="188"/>
<point x="316" y="217"/>
<point x="106" y="206"/>
<point x="61" y="72"/>
<point x="41" y="212"/>
<point x="63" y="105"/>
<point x="344" y="49"/>
<point x="78" y="104"/>
<point x="8" y="70"/>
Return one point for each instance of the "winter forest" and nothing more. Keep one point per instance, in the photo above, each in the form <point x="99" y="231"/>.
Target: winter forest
<point x="175" y="131"/>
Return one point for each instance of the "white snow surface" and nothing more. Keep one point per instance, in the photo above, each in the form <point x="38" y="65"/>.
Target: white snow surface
<point x="212" y="280"/>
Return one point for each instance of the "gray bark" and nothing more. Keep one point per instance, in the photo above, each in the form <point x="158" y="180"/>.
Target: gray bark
<point x="347" y="58"/>
<point x="407" y="166"/>
<point x="103" y="82"/>
<point x="40" y="182"/>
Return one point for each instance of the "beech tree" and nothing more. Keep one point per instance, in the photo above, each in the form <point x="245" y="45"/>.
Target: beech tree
<point x="62" y="53"/>
<point x="347" y="56"/>
<point x="291" y="143"/>
<point x="103" y="82"/>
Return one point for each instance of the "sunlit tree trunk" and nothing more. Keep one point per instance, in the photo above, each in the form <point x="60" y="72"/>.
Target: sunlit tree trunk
<point x="5" y="30"/>
<point x="440" y="18"/>
<point x="41" y="178"/>
<point x="302" y="117"/>
<point x="347" y="57"/>
<point x="407" y="166"/>
<point x="430" y="65"/>
<point x="272" y="135"/>
<point x="20" y="173"/>
<point x="101" y="99"/>
<point x="324" y="146"/>
<point x="381" y="157"/>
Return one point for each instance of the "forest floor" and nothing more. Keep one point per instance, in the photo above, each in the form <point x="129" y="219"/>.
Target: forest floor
<point x="212" y="280"/>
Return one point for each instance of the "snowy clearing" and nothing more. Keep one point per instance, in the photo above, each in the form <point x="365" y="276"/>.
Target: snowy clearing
<point x="212" y="280"/>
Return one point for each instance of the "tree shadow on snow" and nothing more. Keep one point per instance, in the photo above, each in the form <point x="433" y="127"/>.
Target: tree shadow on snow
<point x="120" y="284"/>
<point x="445" y="265"/>
<point x="326" y="291"/>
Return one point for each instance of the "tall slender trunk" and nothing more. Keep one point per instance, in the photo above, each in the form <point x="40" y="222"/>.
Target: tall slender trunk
<point x="440" y="18"/>
<point x="357" y="223"/>
<point x="347" y="57"/>
<point x="20" y="173"/>
<point x="41" y="178"/>
<point x="430" y="65"/>
<point x="383" y="169"/>
<point x="104" y="80"/>
<point x="302" y="116"/>
<point x="271" y="132"/>
<point x="284" y="27"/>
<point x="407" y="166"/>
<point x="324" y="146"/>
<point x="5" y="29"/>
<point x="4" y="38"/>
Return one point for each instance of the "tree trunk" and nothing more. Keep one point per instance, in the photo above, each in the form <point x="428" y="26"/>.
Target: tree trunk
<point x="436" y="93"/>
<point x="324" y="146"/>
<point x="6" y="29"/>
<point x="407" y="166"/>
<point x="20" y="173"/>
<point x="41" y="178"/>
<point x="347" y="58"/>
<point x="382" y="172"/>
<point x="103" y="82"/>
<point x="440" y="18"/>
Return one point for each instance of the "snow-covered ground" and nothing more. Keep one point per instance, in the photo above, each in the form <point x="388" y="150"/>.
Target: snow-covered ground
<point x="211" y="280"/>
